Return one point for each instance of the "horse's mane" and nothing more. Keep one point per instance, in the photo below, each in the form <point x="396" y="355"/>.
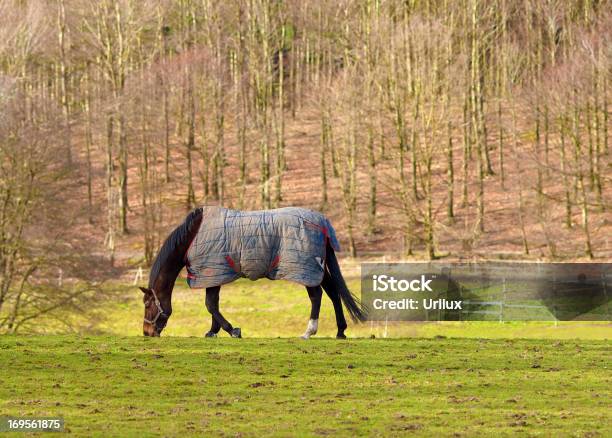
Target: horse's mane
<point x="178" y="237"/>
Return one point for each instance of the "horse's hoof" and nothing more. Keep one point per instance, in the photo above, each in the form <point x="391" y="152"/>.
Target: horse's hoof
<point x="210" y="335"/>
<point x="236" y="333"/>
<point x="313" y="325"/>
<point x="340" y="336"/>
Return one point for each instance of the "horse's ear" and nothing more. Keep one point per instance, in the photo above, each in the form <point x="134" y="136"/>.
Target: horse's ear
<point x="145" y="290"/>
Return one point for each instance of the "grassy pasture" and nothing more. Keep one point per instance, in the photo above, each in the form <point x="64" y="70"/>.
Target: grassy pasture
<point x="170" y="386"/>
<point x="270" y="309"/>
<point x="449" y="379"/>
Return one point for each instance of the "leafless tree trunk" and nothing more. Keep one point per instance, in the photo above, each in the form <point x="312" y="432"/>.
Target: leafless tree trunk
<point x="61" y="34"/>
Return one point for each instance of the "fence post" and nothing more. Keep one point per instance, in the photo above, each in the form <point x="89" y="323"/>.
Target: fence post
<point x="501" y="310"/>
<point x="138" y="276"/>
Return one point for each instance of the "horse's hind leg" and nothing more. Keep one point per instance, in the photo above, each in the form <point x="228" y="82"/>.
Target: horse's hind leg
<point x="314" y="293"/>
<point x="212" y="304"/>
<point x="335" y="298"/>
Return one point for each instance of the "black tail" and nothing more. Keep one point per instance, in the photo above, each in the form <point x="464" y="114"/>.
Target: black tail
<point x="351" y="302"/>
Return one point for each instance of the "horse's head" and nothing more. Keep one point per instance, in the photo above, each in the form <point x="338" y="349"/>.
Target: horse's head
<point x="170" y="260"/>
<point x="156" y="312"/>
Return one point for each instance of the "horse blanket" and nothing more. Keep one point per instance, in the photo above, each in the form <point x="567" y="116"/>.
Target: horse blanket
<point x="285" y="243"/>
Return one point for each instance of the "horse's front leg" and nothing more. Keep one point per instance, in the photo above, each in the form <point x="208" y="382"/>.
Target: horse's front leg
<point x="314" y="293"/>
<point x="212" y="304"/>
<point x="214" y="329"/>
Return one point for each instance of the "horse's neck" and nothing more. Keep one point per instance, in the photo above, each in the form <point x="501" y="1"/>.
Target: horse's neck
<point x="174" y="265"/>
<point x="170" y="272"/>
<point x="176" y="262"/>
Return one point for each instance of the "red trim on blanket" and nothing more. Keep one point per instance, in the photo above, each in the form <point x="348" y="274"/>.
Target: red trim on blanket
<point x="321" y="228"/>
<point x="234" y="265"/>
<point x="274" y="263"/>
<point x="313" y="225"/>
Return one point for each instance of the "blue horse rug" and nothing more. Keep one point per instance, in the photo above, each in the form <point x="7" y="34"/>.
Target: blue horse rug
<point x="286" y="243"/>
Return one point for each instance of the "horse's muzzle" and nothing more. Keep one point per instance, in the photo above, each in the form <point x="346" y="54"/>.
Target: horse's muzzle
<point x="150" y="331"/>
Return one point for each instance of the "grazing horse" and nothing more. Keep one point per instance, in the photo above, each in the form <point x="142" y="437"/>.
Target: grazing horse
<point x="218" y="245"/>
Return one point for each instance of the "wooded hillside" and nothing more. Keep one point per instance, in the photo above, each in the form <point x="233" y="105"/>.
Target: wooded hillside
<point x="427" y="128"/>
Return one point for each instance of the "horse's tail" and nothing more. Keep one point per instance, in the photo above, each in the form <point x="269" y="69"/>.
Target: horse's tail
<point x="351" y="302"/>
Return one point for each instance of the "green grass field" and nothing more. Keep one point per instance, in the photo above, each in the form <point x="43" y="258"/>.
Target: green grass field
<point x="429" y="379"/>
<point x="269" y="309"/>
<point x="122" y="386"/>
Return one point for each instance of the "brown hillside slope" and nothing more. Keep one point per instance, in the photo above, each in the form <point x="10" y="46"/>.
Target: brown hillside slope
<point x="520" y="86"/>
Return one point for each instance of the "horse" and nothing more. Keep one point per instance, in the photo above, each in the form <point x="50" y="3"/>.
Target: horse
<point x="219" y="245"/>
